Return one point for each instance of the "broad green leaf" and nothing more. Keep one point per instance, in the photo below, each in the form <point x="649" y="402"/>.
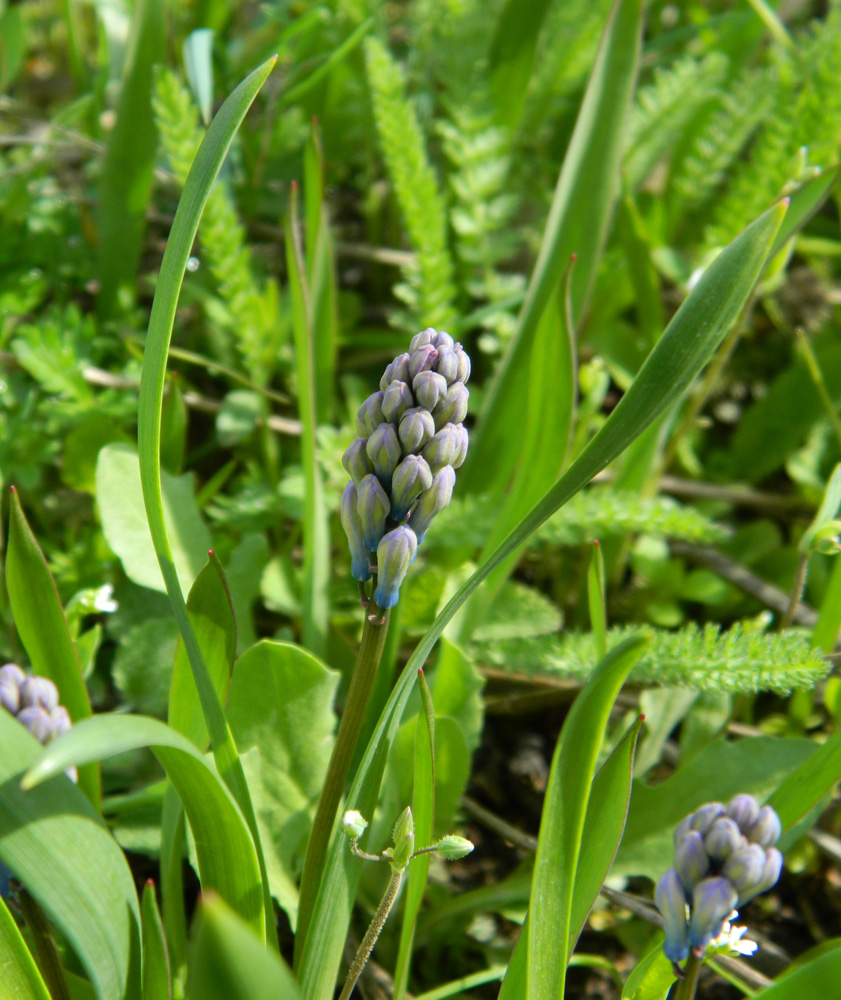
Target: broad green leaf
<point x="280" y="712"/>
<point x="142" y="666"/>
<point x="226" y="857"/>
<point x="212" y="617"/>
<point x="19" y="976"/>
<point x="818" y="977"/>
<point x="156" y="974"/>
<point x="457" y="690"/>
<point x="120" y="501"/>
<point x="229" y="960"/>
<point x="804" y="788"/>
<point x="42" y="627"/>
<point x="57" y="845"/>
<point x="652" y="976"/>
<point x="82" y="447"/>
<point x="241" y="413"/>
<point x="562" y="822"/>
<point x="12" y="44"/>
<point x="511" y="55"/>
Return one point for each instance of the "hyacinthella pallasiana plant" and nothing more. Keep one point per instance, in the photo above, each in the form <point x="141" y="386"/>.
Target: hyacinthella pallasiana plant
<point x="402" y="465"/>
<point x="724" y="856"/>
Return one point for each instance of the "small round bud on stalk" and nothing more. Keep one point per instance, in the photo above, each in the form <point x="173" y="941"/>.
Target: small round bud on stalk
<point x="421" y="360"/>
<point x="671" y="902"/>
<point x="704" y="817"/>
<point x="766" y="829"/>
<point x="383" y="449"/>
<point x="432" y="501"/>
<point x="373" y="507"/>
<point x="744" y="869"/>
<point x="744" y="809"/>
<point x="416" y="428"/>
<point x="723" y="839"/>
<point x="452" y="406"/>
<point x="38" y="692"/>
<point x="447" y="365"/>
<point x="395" y="554"/>
<point x="429" y="387"/>
<point x="422" y="339"/>
<point x="712" y="901"/>
<point x="411" y="477"/>
<point x="443" y="341"/>
<point x="370" y="415"/>
<point x="396" y="400"/>
<point x="451" y="847"/>
<point x="356" y="462"/>
<point x="404" y="840"/>
<point x="691" y="860"/>
<point x="770" y="874"/>
<point x="360" y="568"/>
<point x="354" y="824"/>
<point x="444" y="448"/>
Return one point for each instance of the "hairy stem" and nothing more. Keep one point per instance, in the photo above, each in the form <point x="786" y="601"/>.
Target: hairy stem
<point x="796" y="590"/>
<point x="371" y="935"/>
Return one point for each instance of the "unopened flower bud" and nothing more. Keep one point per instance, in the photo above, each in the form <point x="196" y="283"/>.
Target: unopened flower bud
<point x="712" y="901"/>
<point x="444" y="447"/>
<point x="60" y="721"/>
<point x="38" y="691"/>
<point x="397" y="370"/>
<point x="769" y="876"/>
<point x="354" y="824"/>
<point x="373" y="507"/>
<point x="723" y="839"/>
<point x="396" y="400"/>
<point x="671" y="902"/>
<point x="404" y="840"/>
<point x="36" y="719"/>
<point x="421" y="360"/>
<point x="383" y="449"/>
<point x="682" y="829"/>
<point x="429" y="387"/>
<point x="416" y="428"/>
<point x="370" y="415"/>
<point x="394" y="556"/>
<point x="421" y="339"/>
<point x="355" y="460"/>
<point x="461" y="454"/>
<point x="452" y="405"/>
<point x="744" y="809"/>
<point x="744" y="868"/>
<point x="432" y="501"/>
<point x="691" y="860"/>
<point x="442" y="340"/>
<point x="411" y="477"/>
<point x="360" y="568"/>
<point x="11" y="678"/>
<point x="447" y="365"/>
<point x="451" y="847"/>
<point x="766" y="829"/>
<point x="704" y="817"/>
<point x="463" y="364"/>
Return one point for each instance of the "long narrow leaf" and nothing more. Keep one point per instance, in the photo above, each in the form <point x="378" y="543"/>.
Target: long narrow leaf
<point x="19" y="976"/>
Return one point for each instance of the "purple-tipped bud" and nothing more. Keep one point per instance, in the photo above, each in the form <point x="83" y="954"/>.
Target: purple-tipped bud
<point x="37" y="720"/>
<point x="396" y="371"/>
<point x="723" y="839"/>
<point x="396" y="400"/>
<point x="461" y="454"/>
<point x="384" y="451"/>
<point x="11" y="678"/>
<point x="452" y="406"/>
<point x="704" y="817"/>
<point x="743" y="869"/>
<point x="356" y="462"/>
<point x="463" y="364"/>
<point x="770" y="874"/>
<point x="671" y="902"/>
<point x="682" y="829"/>
<point x="691" y="860"/>
<point x="373" y="506"/>
<point x="416" y="428"/>
<point x="443" y="341"/>
<point x="411" y="477"/>
<point x="61" y="723"/>
<point x="38" y="692"/>
<point x="766" y="829"/>
<point x="429" y="387"/>
<point x="370" y="415"/>
<point x="744" y="809"/>
<point x="447" y="365"/>
<point x="394" y="556"/>
<point x="421" y="360"/>
<point x="360" y="568"/>
<point x="712" y="902"/>
<point x="421" y="339"/>
<point x="444" y="448"/>
<point x="432" y="501"/>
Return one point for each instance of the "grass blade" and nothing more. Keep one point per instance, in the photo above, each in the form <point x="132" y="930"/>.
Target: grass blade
<point x="19" y="976"/>
<point x="156" y="974"/>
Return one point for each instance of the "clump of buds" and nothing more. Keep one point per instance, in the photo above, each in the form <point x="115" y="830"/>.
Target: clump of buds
<point x="402" y="465"/>
<point x="33" y="701"/>
<point x="724" y="856"/>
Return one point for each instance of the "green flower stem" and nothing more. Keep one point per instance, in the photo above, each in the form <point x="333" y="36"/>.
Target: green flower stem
<point x="46" y="952"/>
<point x="353" y="717"/>
<point x="797" y="589"/>
<point x="686" y="989"/>
<point x="373" y="932"/>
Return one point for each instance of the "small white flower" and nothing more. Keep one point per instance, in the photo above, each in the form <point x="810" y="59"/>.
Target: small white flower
<point x="103" y="599"/>
<point x="353" y="823"/>
<point x="731" y="941"/>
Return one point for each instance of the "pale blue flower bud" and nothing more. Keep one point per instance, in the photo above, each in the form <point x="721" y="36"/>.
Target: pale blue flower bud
<point x="384" y="451"/>
<point x="422" y="360"/>
<point x="723" y="839"/>
<point x="452" y="405"/>
<point x="744" y="809"/>
<point x="671" y="902"/>
<point x="691" y="860"/>
<point x="60" y="719"/>
<point x="744" y="868"/>
<point x="443" y="448"/>
<point x="411" y="477"/>
<point x="452" y="847"/>
<point x="360" y="568"/>
<point x="11" y="678"/>
<point x="443" y="340"/>
<point x="461" y="453"/>
<point x="771" y="869"/>
<point x="447" y="365"/>
<point x="396" y="371"/>
<point x="396" y="400"/>
<point x="370" y="415"/>
<point x="463" y="364"/>
<point x="432" y="501"/>
<point x="37" y="720"/>
<point x="421" y="339"/>
<point x="373" y="506"/>
<point x="429" y="387"/>
<point x="394" y="556"/>
<point x="704" y="817"/>
<point x="766" y="829"/>
<point x="712" y="902"/>
<point x="682" y="829"/>
<point x="38" y="692"/>
<point x="416" y="428"/>
<point x="355" y="460"/>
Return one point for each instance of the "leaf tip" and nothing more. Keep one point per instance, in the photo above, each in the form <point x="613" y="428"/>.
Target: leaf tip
<point x="13" y="490"/>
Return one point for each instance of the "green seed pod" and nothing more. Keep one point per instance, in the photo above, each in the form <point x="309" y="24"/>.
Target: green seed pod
<point x="395" y="554"/>
<point x="411" y="477"/>
<point x="451" y="847"/>
<point x="416" y="428"/>
<point x="370" y="415"/>
<point x="383" y="449"/>
<point x="356" y="462"/>
<point x="396" y="400"/>
<point x="429" y="387"/>
<point x="452" y="405"/>
<point x="373" y="507"/>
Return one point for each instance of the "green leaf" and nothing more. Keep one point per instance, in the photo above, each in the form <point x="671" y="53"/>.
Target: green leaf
<point x="19" y="976"/>
<point x="242" y="410"/>
<point x="120" y="501"/>
<point x="173" y="427"/>
<point x="804" y="202"/>
<point x="226" y="857"/>
<point x="82" y="447"/>
<point x="457" y="688"/>
<point x="229" y="960"/>
<point x="42" y="627"/>
<point x="652" y="976"/>
<point x="511" y="55"/>
<point x="804" y="788"/>
<point x="12" y="45"/>
<point x="198" y="62"/>
<point x="818" y="977"/>
<point x="142" y="667"/>
<point x="57" y="845"/>
<point x="156" y="974"/>
<point x="562" y="822"/>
